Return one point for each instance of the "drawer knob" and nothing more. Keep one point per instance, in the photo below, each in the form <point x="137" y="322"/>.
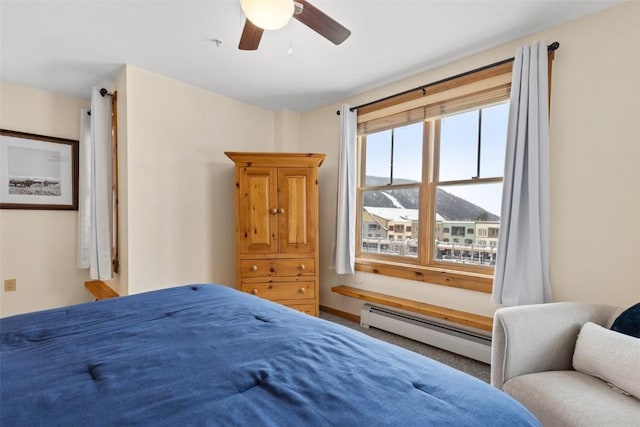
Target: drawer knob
<point x="280" y="211"/>
<point x="302" y="290"/>
<point x="253" y="268"/>
<point x="301" y="267"/>
<point x="254" y="291"/>
<point x="273" y="211"/>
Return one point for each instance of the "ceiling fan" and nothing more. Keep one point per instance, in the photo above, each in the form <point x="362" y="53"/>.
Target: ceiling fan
<point x="274" y="14"/>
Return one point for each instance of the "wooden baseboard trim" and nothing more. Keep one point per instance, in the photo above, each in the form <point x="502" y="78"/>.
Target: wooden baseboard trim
<point x="438" y="312"/>
<point x="340" y="313"/>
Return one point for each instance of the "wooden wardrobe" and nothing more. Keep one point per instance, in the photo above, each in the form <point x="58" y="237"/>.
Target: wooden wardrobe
<point x="277" y="227"/>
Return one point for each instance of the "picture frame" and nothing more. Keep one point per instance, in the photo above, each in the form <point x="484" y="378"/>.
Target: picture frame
<point x="38" y="172"/>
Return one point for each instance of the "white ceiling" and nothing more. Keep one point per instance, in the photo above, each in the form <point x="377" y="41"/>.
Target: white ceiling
<point x="68" y="46"/>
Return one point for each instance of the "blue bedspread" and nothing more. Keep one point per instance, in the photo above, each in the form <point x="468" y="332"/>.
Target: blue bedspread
<point x="210" y="355"/>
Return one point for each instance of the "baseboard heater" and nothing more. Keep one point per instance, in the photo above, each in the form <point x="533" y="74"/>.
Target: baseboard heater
<point x="469" y="342"/>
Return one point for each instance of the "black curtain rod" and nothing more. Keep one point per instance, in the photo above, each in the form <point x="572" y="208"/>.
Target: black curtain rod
<point x="103" y="92"/>
<point x="552" y="47"/>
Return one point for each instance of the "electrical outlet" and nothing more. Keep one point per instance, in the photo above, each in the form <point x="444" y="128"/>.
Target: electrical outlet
<point x="10" y="285"/>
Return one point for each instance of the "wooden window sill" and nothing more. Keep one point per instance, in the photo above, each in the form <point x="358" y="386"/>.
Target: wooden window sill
<point x="470" y="280"/>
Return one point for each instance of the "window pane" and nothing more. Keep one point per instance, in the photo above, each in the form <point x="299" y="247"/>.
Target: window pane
<point x="407" y="153"/>
<point x="378" y="158"/>
<point x="467" y="225"/>
<point x="389" y="224"/>
<point x="459" y="146"/>
<point x="394" y="156"/>
<point x="494" y="140"/>
<point x="468" y="202"/>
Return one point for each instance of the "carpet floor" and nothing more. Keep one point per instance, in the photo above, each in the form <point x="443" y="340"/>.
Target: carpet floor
<point x="470" y="366"/>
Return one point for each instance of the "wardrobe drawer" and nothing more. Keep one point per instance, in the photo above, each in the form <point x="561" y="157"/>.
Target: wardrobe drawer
<point x="277" y="267"/>
<point x="281" y="290"/>
<point x="310" y="309"/>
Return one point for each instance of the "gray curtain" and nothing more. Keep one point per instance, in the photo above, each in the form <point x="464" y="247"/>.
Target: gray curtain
<point x="522" y="265"/>
<point x="344" y="250"/>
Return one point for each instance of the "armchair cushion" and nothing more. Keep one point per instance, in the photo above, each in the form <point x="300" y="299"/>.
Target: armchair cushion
<point x="610" y="356"/>
<point x="572" y="399"/>
<point x="628" y="322"/>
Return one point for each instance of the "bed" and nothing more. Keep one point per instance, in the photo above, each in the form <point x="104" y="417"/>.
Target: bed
<point x="210" y="355"/>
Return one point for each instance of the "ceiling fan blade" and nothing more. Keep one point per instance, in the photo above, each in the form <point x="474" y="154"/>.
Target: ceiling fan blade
<point x="251" y="35"/>
<point x="321" y="23"/>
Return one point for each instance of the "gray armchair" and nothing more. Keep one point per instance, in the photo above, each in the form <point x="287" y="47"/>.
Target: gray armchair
<point x="531" y="360"/>
<point x="539" y="337"/>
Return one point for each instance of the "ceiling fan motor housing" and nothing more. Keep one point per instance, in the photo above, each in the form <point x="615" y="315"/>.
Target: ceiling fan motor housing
<point x="268" y="14"/>
<point x="301" y="10"/>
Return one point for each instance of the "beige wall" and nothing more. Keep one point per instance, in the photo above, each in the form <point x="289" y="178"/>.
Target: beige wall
<point x="287" y="131"/>
<point x="180" y="185"/>
<point x="594" y="167"/>
<point x="39" y="248"/>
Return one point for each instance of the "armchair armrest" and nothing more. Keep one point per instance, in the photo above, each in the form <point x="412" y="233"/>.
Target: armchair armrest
<point x="539" y="337"/>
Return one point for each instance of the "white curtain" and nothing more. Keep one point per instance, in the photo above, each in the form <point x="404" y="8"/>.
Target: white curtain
<point x="522" y="265"/>
<point x="95" y="188"/>
<point x="84" y="192"/>
<point x="344" y="253"/>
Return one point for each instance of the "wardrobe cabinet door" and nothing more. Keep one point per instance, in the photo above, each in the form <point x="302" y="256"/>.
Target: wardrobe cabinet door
<point x="297" y="210"/>
<point x="258" y="218"/>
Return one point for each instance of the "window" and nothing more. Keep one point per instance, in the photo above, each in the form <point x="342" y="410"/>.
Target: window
<point x="438" y="169"/>
<point x="457" y="231"/>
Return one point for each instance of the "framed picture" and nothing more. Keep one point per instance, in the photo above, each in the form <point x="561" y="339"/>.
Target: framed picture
<point x="38" y="172"/>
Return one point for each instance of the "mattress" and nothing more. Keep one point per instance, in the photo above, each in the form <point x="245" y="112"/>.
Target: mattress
<point x="210" y="355"/>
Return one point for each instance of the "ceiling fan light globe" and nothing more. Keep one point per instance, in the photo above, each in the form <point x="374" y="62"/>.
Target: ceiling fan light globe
<point x="268" y="14"/>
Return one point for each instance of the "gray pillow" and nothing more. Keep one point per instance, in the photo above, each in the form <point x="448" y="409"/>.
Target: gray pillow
<point x="610" y="356"/>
